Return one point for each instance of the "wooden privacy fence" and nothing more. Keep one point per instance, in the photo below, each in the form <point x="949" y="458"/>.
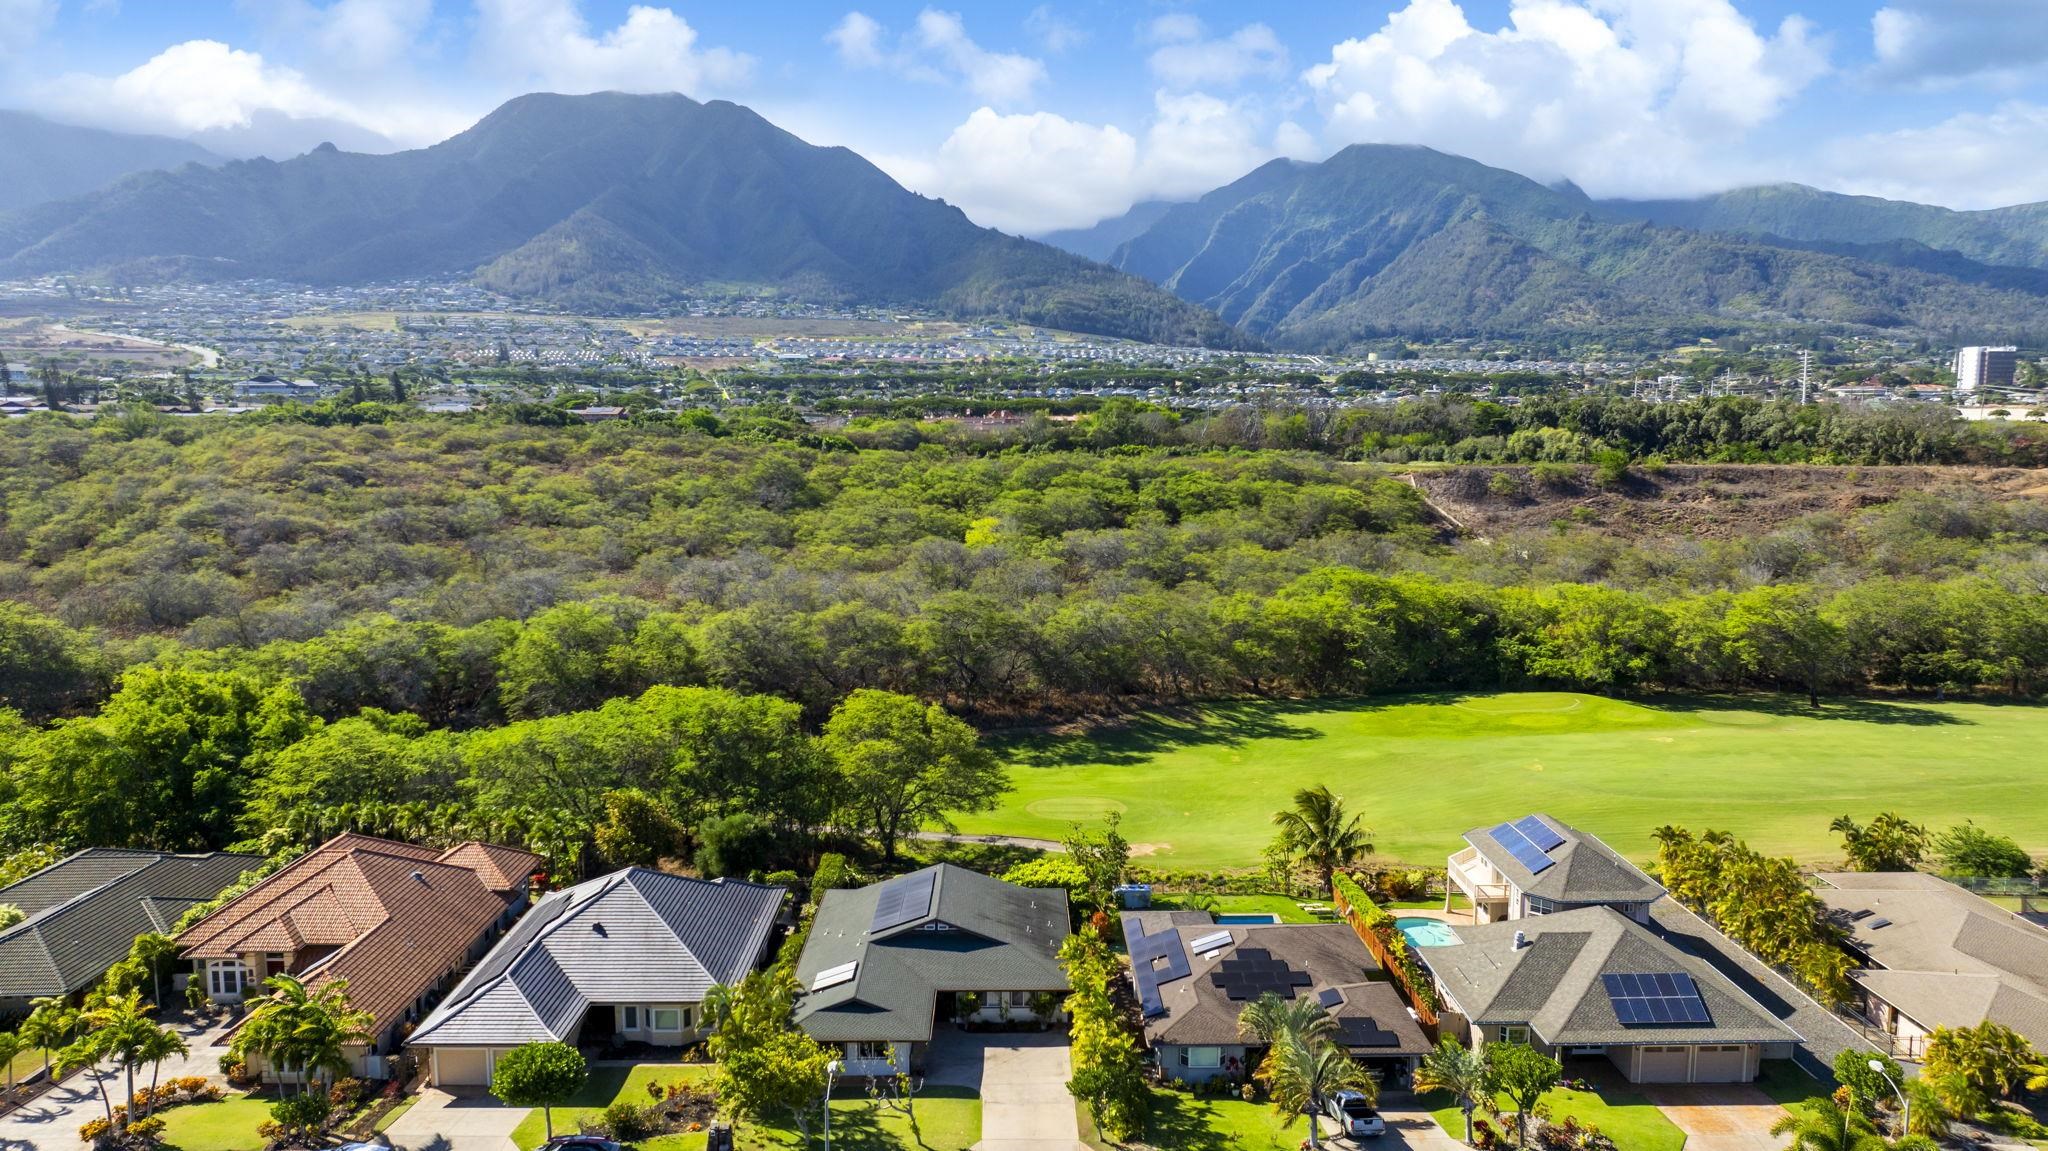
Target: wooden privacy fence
<point x="1388" y="945"/>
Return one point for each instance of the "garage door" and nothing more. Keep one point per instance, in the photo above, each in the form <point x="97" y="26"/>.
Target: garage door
<point x="1665" y="1065"/>
<point x="1721" y="1065"/>
<point x="462" y="1067"/>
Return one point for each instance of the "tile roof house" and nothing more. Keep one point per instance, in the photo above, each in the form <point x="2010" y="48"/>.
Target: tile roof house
<point x="1194" y="977"/>
<point x="884" y="963"/>
<point x="394" y="919"/>
<point x="1592" y="981"/>
<point x="85" y="910"/>
<point x="626" y="958"/>
<point x="1536" y="865"/>
<point x="1935" y="955"/>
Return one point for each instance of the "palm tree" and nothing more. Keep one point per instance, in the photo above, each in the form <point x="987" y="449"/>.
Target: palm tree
<point x="1275" y="1022"/>
<point x="1319" y="832"/>
<point x="1834" y="1124"/>
<point x="121" y="1030"/>
<point x="49" y="1026"/>
<point x="1462" y="1073"/>
<point x="294" y="1027"/>
<point x="10" y="1046"/>
<point x="161" y="1044"/>
<point x="1300" y="1074"/>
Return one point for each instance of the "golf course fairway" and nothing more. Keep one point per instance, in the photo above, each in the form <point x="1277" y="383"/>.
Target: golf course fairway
<point x="1197" y="787"/>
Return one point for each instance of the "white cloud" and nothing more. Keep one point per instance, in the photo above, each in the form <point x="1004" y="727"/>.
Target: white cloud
<point x="22" y="23"/>
<point x="1034" y="172"/>
<point x="1972" y="160"/>
<point x="1945" y="42"/>
<point x="1053" y="31"/>
<point x="197" y="86"/>
<point x="1187" y="57"/>
<point x="1624" y="96"/>
<point x="937" y="49"/>
<point x="353" y="34"/>
<point x="548" y="43"/>
<point x="998" y="77"/>
<point x="858" y="37"/>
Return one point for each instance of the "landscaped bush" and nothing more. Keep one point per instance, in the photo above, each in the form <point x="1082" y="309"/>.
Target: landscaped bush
<point x="1373" y="923"/>
<point x="624" y="1122"/>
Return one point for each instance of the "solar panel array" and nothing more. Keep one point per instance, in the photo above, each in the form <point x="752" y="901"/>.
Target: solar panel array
<point x="1650" y="1000"/>
<point x="1253" y="972"/>
<point x="1329" y="997"/>
<point x="1364" y="1031"/>
<point x="1155" y="960"/>
<point x="1210" y="942"/>
<point x="1539" y="833"/>
<point x="905" y="899"/>
<point x="1518" y="845"/>
<point x="834" y="976"/>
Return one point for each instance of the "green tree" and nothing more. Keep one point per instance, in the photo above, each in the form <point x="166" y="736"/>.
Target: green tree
<point x="299" y="1029"/>
<point x="907" y="764"/>
<point x="1969" y="850"/>
<point x="1829" y="1125"/>
<point x="51" y="1024"/>
<point x="1300" y="1073"/>
<point x="542" y="1075"/>
<point x="767" y="1068"/>
<point x="1457" y="1071"/>
<point x="1321" y="833"/>
<point x="10" y="915"/>
<point x="11" y="1045"/>
<point x="1888" y="843"/>
<point x="1523" y="1074"/>
<point x="637" y="830"/>
<point x="1974" y="1066"/>
<point x="1872" y="1088"/>
<point x="1776" y="633"/>
<point x="1103" y="857"/>
<point x="1109" y="1066"/>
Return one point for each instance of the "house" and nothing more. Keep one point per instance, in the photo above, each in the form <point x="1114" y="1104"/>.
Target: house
<point x="272" y="386"/>
<point x="1537" y="865"/>
<point x="85" y="910"/>
<point x="394" y="919"/>
<point x="884" y="963"/>
<point x="1935" y="955"/>
<point x="1194" y="977"/>
<point x="624" y="959"/>
<point x="1592" y="981"/>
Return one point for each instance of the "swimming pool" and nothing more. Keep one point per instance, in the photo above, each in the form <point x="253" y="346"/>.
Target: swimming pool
<point x="1249" y="917"/>
<point x="1426" y="932"/>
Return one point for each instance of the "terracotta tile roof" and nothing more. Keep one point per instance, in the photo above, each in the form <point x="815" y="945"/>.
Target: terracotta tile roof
<point x="398" y="917"/>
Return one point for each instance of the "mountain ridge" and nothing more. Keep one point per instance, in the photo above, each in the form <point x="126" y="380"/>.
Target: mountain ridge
<point x="48" y="160"/>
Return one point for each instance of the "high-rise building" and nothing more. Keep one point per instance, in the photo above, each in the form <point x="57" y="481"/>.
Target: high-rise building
<point x="1980" y="367"/>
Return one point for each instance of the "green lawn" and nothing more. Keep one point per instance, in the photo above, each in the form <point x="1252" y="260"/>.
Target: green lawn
<point x="1787" y="1085"/>
<point x="229" y="1125"/>
<point x="1197" y="788"/>
<point x="1185" y="1123"/>
<point x="948" y="1119"/>
<point x="1630" y="1120"/>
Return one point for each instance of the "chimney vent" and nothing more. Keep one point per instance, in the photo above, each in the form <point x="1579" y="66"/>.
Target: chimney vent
<point x="1521" y="940"/>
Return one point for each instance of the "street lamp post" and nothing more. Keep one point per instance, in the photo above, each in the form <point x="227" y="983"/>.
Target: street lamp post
<point x="1877" y="1065"/>
<point x="832" y="1071"/>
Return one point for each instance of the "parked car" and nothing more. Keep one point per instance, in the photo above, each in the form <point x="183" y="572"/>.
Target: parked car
<point x="1354" y="1115"/>
<point x="581" y="1143"/>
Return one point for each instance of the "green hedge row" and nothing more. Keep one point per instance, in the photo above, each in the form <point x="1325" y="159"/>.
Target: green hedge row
<point x="1370" y="919"/>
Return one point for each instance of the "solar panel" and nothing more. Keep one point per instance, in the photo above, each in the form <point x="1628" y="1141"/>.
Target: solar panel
<point x="834" y="976"/>
<point x="904" y="899"/>
<point x="1539" y="833"/>
<point x="1658" y="998"/>
<point x="1861" y="914"/>
<point x="1329" y="997"/>
<point x="1879" y="922"/>
<point x="1155" y="960"/>
<point x="1516" y="844"/>
<point x="1364" y="1031"/>
<point x="1211" y="941"/>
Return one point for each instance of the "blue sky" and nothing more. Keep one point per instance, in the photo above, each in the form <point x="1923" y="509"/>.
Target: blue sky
<point x="1040" y="115"/>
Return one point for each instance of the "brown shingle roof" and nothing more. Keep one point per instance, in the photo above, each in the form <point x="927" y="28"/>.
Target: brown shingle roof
<point x="399" y="917"/>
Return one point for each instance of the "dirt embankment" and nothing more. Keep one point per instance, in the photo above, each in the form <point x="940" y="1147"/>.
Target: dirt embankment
<point x="1702" y="500"/>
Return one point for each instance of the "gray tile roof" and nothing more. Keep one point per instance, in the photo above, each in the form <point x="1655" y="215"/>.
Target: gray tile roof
<point x="1553" y="985"/>
<point x="635" y="936"/>
<point x="999" y="937"/>
<point x="1945" y="957"/>
<point x="84" y="912"/>
<point x="1201" y="1014"/>
<point x="1584" y="870"/>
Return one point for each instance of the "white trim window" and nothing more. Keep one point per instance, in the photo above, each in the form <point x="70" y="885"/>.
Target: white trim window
<point x="225" y="979"/>
<point x="1202" y="1058"/>
<point x="665" y="1019"/>
<point x="870" y="1050"/>
<point x="1514" y="1035"/>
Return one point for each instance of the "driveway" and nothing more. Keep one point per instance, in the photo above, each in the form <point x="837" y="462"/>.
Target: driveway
<point x="1411" y="1127"/>
<point x="1022" y="1078"/>
<point x="50" y="1122"/>
<point x="1724" y="1117"/>
<point x="444" y="1122"/>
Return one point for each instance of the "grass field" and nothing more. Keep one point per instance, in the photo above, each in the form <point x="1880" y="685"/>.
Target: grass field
<point x="1630" y="1120"/>
<point x="1197" y="788"/>
<point x="229" y="1125"/>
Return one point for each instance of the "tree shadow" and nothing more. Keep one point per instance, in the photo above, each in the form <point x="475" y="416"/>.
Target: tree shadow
<point x="1140" y="737"/>
<point x="1180" y="1123"/>
<point x="1796" y="707"/>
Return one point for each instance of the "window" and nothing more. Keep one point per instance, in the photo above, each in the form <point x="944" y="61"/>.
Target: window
<point x="1205" y="1056"/>
<point x="666" y="1018"/>
<point x="629" y="1018"/>
<point x="686" y="1019"/>
<point x="224" y="979"/>
<point x="1536" y="905"/>
<point x="1019" y="998"/>
<point x="877" y="1052"/>
<point x="1514" y="1035"/>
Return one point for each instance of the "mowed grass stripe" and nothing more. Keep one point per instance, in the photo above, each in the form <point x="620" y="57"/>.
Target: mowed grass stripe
<point x="1199" y="786"/>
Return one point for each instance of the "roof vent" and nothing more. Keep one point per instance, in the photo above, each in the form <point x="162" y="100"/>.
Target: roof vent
<point x="419" y="877"/>
<point x="599" y="928"/>
<point x="1521" y="940"/>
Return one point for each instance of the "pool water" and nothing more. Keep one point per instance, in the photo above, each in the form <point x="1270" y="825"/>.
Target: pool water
<point x="1426" y="932"/>
<point x="1249" y="917"/>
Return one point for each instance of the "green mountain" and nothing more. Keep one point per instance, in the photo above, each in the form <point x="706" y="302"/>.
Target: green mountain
<point x="1098" y="241"/>
<point x="44" y="160"/>
<point x="606" y="202"/>
<point x="2016" y="236"/>
<point x="1384" y="240"/>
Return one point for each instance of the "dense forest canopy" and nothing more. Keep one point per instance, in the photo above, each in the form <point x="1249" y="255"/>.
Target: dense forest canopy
<point x="266" y="630"/>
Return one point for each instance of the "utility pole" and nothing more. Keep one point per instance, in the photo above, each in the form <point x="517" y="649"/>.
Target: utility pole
<point x="1805" y="375"/>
